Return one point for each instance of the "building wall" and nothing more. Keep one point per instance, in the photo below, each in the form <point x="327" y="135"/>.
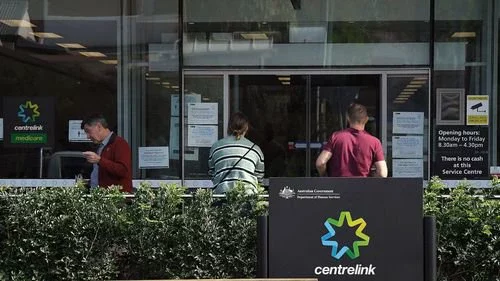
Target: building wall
<point x="131" y="56"/>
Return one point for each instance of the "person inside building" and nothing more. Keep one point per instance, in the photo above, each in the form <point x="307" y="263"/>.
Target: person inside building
<point x="235" y="159"/>
<point x="112" y="161"/>
<point x="353" y="151"/>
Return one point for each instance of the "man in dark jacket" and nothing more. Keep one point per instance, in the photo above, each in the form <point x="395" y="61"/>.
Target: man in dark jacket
<point x="112" y="162"/>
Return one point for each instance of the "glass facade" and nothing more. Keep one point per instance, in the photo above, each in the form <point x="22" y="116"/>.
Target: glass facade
<point x="319" y="33"/>
<point x="292" y="66"/>
<point x="121" y="59"/>
<point x="462" y="68"/>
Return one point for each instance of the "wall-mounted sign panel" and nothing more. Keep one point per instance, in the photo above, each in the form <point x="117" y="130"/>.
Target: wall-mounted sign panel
<point x="28" y="121"/>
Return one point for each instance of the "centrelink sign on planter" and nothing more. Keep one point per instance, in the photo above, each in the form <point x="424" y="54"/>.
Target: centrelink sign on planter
<point x="346" y="228"/>
<point x="28" y="121"/>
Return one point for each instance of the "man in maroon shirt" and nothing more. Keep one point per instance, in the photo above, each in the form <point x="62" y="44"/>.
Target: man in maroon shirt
<point x="112" y="162"/>
<point x="353" y="151"/>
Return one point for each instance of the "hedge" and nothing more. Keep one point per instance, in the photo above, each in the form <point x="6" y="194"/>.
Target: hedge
<point x="78" y="234"/>
<point x="468" y="230"/>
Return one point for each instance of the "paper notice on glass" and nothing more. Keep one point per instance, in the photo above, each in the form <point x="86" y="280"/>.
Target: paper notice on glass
<point x="153" y="157"/>
<point x="407" y="146"/>
<point x="407" y="168"/>
<point x="202" y="135"/>
<point x="1" y="128"/>
<point x="75" y="132"/>
<point x="408" y="123"/>
<point x="188" y="98"/>
<point x="190" y="153"/>
<point x="202" y="113"/>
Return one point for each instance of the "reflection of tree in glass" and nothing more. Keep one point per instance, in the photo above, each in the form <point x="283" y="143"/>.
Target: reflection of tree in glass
<point x="450" y="106"/>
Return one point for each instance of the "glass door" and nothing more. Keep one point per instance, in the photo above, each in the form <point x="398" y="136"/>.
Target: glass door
<point x="293" y="115"/>
<point x="331" y="96"/>
<point x="277" y="108"/>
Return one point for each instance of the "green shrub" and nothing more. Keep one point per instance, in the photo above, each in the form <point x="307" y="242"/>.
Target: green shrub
<point x="198" y="237"/>
<point x="60" y="233"/>
<point x="468" y="229"/>
<point x="73" y="234"/>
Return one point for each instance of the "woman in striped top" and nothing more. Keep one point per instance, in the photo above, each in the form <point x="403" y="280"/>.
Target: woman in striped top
<point x="235" y="159"/>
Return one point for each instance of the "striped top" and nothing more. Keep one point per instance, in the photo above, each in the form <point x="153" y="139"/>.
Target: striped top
<point x="223" y="156"/>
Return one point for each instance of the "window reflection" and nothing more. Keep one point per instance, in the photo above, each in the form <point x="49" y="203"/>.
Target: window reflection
<point x="322" y="33"/>
<point x="60" y="51"/>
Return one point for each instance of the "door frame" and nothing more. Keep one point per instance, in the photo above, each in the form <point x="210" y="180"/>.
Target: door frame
<point x="383" y="72"/>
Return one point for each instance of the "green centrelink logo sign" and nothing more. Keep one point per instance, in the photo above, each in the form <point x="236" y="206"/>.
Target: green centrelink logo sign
<point x="28" y="121"/>
<point x="29" y="133"/>
<point x="338" y="250"/>
<point x="352" y="251"/>
<point x="28" y="112"/>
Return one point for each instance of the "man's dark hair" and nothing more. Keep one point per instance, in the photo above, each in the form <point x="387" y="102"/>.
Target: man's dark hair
<point x="94" y="119"/>
<point x="357" y="113"/>
<point x="238" y="124"/>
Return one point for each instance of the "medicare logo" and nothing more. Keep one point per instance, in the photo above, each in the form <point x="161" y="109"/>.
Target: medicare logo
<point x="352" y="251"/>
<point x="28" y="112"/>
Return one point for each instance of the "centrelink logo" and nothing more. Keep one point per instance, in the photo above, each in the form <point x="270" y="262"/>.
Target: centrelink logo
<point x="28" y="112"/>
<point x="338" y="251"/>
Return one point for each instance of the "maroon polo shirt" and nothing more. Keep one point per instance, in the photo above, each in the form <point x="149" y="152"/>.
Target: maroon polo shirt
<point x="353" y="153"/>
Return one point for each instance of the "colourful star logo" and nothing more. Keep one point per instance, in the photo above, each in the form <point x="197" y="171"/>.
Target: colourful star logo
<point x="28" y="112"/>
<point x="352" y="252"/>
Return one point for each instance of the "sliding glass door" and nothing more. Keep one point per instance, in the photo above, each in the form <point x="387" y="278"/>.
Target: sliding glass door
<point x="293" y="115"/>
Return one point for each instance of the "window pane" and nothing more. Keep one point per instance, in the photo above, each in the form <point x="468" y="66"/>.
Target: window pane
<point x="204" y="122"/>
<point x="462" y="67"/>
<point x="67" y="53"/>
<point x="151" y="85"/>
<point x="306" y="33"/>
<point x="276" y="108"/>
<point x="407" y="122"/>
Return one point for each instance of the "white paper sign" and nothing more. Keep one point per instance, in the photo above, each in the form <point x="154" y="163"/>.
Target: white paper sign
<point x="75" y="132"/>
<point x="408" y="123"/>
<point x="1" y="128"/>
<point x="153" y="157"/>
<point x="202" y="135"/>
<point x="407" y="146"/>
<point x="203" y="113"/>
<point x="407" y="168"/>
<point x="189" y="98"/>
